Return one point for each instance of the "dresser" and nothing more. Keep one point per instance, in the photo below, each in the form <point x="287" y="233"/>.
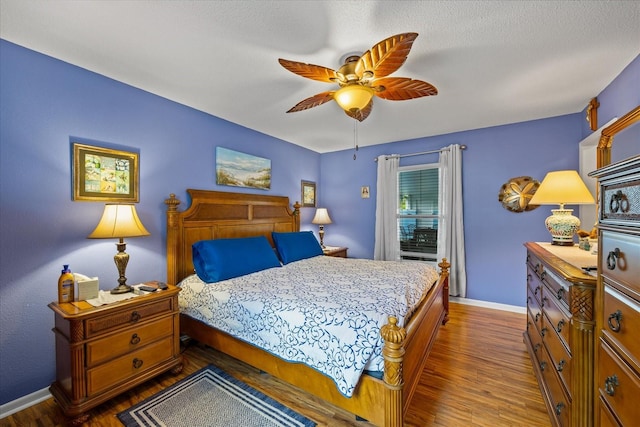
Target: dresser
<point x="104" y="351"/>
<point x="560" y="329"/>
<point x="617" y="386"/>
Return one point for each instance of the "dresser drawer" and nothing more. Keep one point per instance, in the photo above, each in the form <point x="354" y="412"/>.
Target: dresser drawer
<point x="621" y="259"/>
<point x="117" y="319"/>
<point x="123" y="342"/>
<point x="556" y="290"/>
<point x="606" y="418"/>
<point x="560" y="358"/>
<point x="622" y="323"/>
<point x="533" y="331"/>
<point x="621" y="201"/>
<point x="618" y="386"/>
<point x="121" y="369"/>
<point x="534" y="284"/>
<point x="559" y="401"/>
<point x="556" y="319"/>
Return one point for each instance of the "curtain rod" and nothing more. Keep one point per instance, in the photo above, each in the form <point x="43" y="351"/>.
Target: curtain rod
<point x="399" y="156"/>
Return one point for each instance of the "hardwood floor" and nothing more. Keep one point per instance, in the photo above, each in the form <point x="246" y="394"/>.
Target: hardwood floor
<point x="478" y="374"/>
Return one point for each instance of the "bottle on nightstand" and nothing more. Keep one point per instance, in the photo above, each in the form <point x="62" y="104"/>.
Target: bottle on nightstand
<point x="66" y="289"/>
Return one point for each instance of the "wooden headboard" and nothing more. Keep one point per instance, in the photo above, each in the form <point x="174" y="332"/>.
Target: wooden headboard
<point x="220" y="215"/>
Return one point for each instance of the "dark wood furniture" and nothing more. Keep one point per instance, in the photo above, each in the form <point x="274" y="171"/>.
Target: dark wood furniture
<point x="617" y="385"/>
<point x="104" y="351"/>
<point x="335" y="251"/>
<point x="560" y="329"/>
<point x="384" y="401"/>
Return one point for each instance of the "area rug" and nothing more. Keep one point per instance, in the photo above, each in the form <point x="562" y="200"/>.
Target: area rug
<point x="211" y="398"/>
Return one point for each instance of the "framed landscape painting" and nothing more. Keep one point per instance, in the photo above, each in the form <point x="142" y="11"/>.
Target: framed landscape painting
<point x="103" y="174"/>
<point x="242" y="170"/>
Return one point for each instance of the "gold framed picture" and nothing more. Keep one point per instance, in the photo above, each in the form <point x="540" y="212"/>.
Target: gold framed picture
<point x="104" y="175"/>
<point x="308" y="194"/>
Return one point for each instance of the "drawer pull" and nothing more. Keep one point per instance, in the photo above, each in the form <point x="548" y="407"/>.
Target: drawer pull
<point x="135" y="316"/>
<point x="559" y="408"/>
<point x="543" y="331"/>
<point x="535" y="292"/>
<point x="617" y="318"/>
<point x="137" y="363"/>
<point x="619" y="202"/>
<point x="536" y="347"/>
<point x="560" y="293"/>
<point x="560" y="366"/>
<point x="560" y="325"/>
<point x="543" y="275"/>
<point x="543" y="365"/>
<point x="537" y="316"/>
<point x="135" y="339"/>
<point x="612" y="258"/>
<point x="610" y="385"/>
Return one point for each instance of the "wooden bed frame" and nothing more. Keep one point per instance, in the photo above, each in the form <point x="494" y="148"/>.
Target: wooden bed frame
<point x="383" y="402"/>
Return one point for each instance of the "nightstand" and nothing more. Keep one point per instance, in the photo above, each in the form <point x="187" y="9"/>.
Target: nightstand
<point x="335" y="251"/>
<point x="104" y="351"/>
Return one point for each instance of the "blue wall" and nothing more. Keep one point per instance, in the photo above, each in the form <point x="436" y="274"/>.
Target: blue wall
<point x="45" y="104"/>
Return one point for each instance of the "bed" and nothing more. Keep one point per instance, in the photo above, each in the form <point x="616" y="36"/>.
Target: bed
<point x="380" y="399"/>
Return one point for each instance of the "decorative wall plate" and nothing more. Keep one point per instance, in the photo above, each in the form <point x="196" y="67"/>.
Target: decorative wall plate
<point x="516" y="193"/>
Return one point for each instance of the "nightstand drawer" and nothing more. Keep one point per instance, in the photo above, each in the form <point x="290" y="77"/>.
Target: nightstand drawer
<point x="116" y="345"/>
<point x="117" y="319"/>
<point x="621" y="201"/>
<point x="125" y="367"/>
<point x="618" y="386"/>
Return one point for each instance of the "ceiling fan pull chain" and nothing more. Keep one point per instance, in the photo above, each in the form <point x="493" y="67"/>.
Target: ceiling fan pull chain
<point x="355" y="137"/>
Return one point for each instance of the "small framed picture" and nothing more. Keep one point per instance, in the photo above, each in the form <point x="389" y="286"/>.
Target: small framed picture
<point x="104" y="175"/>
<point x="308" y="194"/>
<point x="364" y="192"/>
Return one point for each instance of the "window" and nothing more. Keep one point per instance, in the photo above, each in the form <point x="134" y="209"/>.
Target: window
<point x="419" y="212"/>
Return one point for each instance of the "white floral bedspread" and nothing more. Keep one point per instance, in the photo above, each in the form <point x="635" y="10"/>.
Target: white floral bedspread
<point x="325" y="312"/>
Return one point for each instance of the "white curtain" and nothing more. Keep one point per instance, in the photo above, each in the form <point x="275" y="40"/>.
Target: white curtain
<point x="451" y="232"/>
<point x="387" y="244"/>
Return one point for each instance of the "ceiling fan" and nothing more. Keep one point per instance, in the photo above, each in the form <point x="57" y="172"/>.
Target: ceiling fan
<point x="362" y="77"/>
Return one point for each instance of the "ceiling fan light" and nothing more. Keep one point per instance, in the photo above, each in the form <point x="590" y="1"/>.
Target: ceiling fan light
<point x="353" y="97"/>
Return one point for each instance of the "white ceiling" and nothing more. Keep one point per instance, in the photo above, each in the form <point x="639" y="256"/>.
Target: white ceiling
<point x="493" y="62"/>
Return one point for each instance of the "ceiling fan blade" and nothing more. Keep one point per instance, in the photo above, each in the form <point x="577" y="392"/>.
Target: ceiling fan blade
<point x="361" y="114"/>
<point x="401" y="88"/>
<point x="387" y="56"/>
<point x="312" y="101"/>
<point x="310" y="71"/>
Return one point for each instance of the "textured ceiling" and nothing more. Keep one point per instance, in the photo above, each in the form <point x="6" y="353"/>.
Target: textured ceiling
<point x="493" y="62"/>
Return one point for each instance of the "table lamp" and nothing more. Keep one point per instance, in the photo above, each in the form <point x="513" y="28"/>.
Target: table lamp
<point x="321" y="218"/>
<point x="562" y="187"/>
<point x="119" y="221"/>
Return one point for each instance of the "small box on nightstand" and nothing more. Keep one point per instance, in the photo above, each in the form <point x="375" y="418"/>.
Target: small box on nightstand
<point x="88" y="288"/>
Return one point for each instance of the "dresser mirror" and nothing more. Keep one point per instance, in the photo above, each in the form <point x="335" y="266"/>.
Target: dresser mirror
<point x="606" y="139"/>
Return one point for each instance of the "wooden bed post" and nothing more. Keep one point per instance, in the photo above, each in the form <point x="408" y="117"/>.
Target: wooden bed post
<point x="172" y="235"/>
<point x="296" y="214"/>
<point x="444" y="275"/>
<point x="393" y="353"/>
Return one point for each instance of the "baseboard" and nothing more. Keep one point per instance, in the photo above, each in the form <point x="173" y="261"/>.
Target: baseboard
<point x="487" y="304"/>
<point x="24" y="402"/>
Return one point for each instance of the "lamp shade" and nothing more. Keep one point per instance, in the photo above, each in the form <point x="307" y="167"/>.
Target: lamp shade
<point x="119" y="220"/>
<point x="562" y="187"/>
<point x="321" y="217"/>
<point x="353" y="97"/>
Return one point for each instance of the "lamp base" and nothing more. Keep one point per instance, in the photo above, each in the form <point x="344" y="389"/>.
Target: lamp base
<point x="122" y="289"/>
<point x="562" y="226"/>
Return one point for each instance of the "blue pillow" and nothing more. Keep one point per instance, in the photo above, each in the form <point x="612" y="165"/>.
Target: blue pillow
<point x="222" y="259"/>
<point x="296" y="246"/>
